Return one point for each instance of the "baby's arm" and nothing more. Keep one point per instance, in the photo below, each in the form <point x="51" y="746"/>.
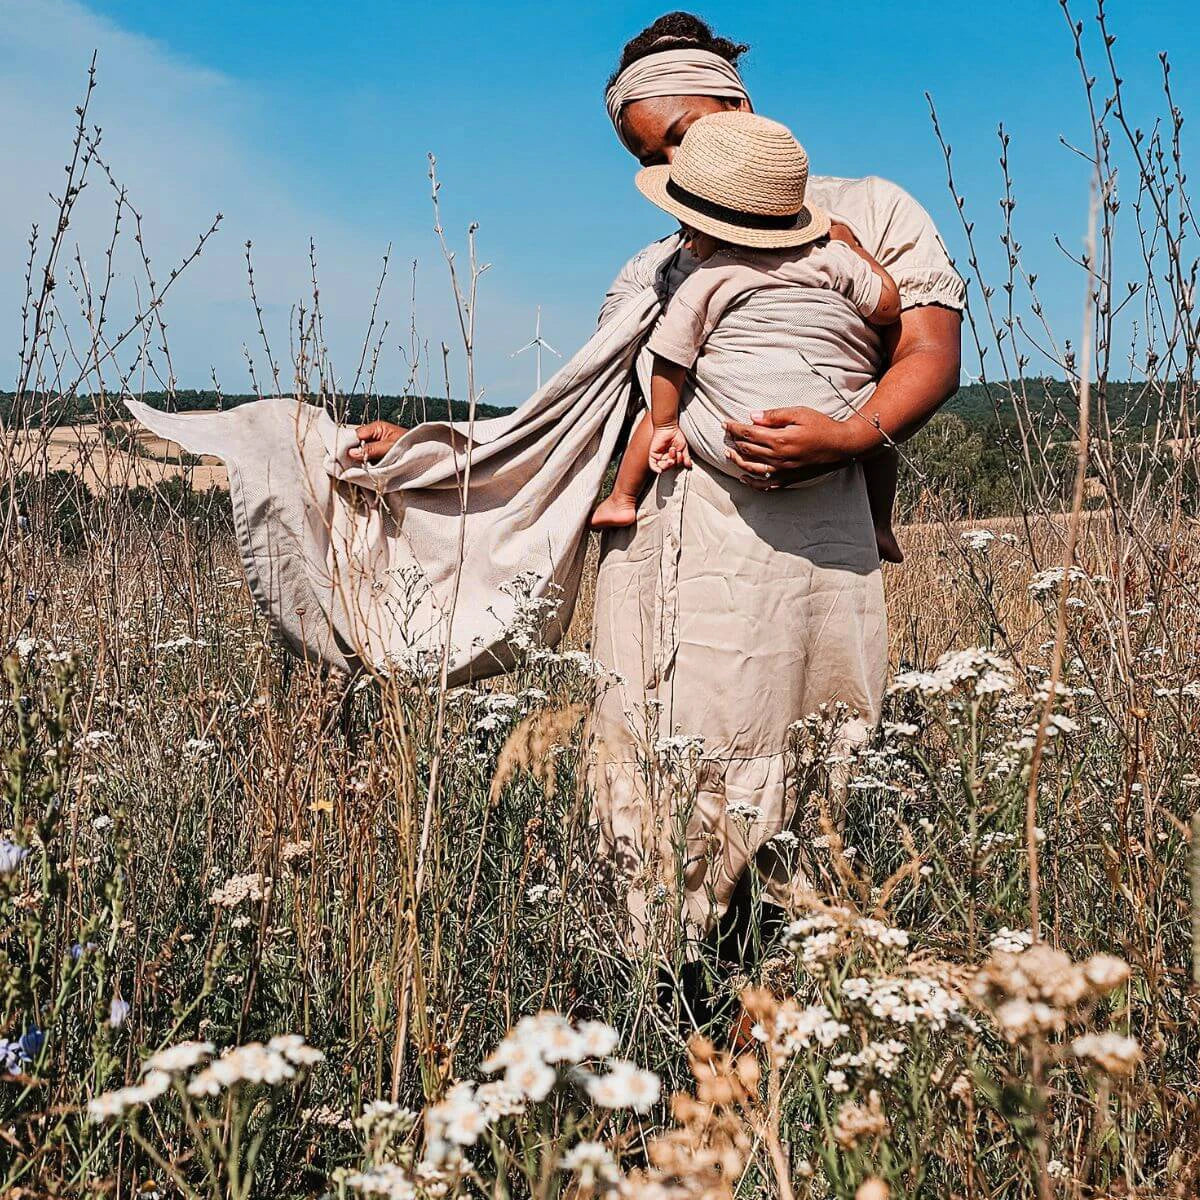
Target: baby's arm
<point x="887" y="310"/>
<point x="668" y="447"/>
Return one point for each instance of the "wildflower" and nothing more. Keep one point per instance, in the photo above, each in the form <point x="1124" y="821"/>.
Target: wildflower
<point x="499" y="1100"/>
<point x="116" y="1103"/>
<point x="794" y="1028"/>
<point x="294" y="852"/>
<point x="1020" y="1018"/>
<point x="559" y="1041"/>
<point x="1113" y="1053"/>
<point x="533" y="1079"/>
<point x="837" y="1081"/>
<point x="856" y="988"/>
<point x="102" y="822"/>
<point x="872" y="1189"/>
<point x="235" y="890"/>
<point x="858" y="1123"/>
<point x="537" y="892"/>
<point x="1105" y="972"/>
<point x="458" y="1118"/>
<point x="384" y="1179"/>
<point x="677" y="751"/>
<point x="32" y="1041"/>
<point x="324" y="1115"/>
<point x="11" y="856"/>
<point x="12" y="1057"/>
<point x="598" y="1040"/>
<point x="743" y="810"/>
<point x="785" y="838"/>
<point x="883" y="934"/>
<point x="294" y="1048"/>
<point x="625" y="1086"/>
<point x="592" y="1162"/>
<point x="976" y="672"/>
<point x="182" y="1057"/>
<point x="978" y="539"/>
<point x="118" y="1011"/>
<point x="251" y="1063"/>
<point x="384" y="1122"/>
<point x="1057" y="1169"/>
<point x="1045" y="582"/>
<point x="1011" y="941"/>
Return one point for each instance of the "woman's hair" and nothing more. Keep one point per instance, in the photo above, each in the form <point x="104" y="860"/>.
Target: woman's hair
<point x="676" y="31"/>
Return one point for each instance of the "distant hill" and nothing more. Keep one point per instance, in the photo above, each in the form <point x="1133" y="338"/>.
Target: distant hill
<point x="403" y="410"/>
<point x="1129" y="407"/>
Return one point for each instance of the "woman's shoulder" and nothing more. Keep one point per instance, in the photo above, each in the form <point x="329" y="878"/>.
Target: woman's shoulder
<point x="870" y="195"/>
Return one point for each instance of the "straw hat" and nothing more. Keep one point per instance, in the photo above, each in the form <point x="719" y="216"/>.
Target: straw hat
<point x="740" y="178"/>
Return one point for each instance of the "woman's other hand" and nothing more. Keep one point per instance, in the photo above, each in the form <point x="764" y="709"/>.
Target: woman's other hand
<point x="789" y="444"/>
<point x="375" y="440"/>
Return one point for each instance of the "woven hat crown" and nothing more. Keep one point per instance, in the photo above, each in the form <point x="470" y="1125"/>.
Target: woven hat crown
<point x="743" y="161"/>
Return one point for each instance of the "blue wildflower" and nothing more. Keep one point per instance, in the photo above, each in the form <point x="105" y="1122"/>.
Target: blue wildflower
<point x="32" y="1041"/>
<point x="12" y="1057"/>
<point x="11" y="856"/>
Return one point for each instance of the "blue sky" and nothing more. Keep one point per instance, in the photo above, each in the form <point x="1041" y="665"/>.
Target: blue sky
<point x="304" y="119"/>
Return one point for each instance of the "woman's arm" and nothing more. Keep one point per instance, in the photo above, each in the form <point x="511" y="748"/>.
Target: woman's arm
<point x="788" y="444"/>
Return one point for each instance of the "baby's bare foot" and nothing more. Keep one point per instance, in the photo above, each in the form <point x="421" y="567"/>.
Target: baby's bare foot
<point x="616" y="512"/>
<point x="889" y="548"/>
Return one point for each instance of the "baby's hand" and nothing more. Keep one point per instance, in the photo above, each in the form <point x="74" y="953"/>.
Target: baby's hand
<point x="668" y="449"/>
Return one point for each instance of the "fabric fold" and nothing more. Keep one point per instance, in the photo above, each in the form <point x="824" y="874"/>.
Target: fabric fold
<point x="355" y="565"/>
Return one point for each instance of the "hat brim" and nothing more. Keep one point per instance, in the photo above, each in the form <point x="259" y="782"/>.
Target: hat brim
<point x="811" y="222"/>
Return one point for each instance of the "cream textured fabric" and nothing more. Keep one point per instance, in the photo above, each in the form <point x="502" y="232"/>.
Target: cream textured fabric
<point x="821" y="352"/>
<point x="355" y="565"/>
<point x="740" y="611"/>
<point x="673" y="73"/>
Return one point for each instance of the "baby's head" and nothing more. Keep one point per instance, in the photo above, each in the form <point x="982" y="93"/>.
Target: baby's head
<point x="737" y="179"/>
<point x="702" y="245"/>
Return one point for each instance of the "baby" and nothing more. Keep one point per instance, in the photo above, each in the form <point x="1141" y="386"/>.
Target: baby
<point x="737" y="185"/>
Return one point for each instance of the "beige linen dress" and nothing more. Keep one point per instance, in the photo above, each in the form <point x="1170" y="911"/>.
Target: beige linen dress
<point x="728" y="614"/>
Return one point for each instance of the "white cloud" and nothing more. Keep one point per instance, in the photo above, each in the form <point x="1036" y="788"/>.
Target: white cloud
<point x="174" y="133"/>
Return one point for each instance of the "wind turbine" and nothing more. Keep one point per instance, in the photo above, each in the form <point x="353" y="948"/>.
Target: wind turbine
<point x="537" y="346"/>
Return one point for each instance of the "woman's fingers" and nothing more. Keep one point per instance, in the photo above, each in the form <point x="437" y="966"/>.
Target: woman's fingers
<point x="375" y="439"/>
<point x="753" y="435"/>
<point x="752" y="466"/>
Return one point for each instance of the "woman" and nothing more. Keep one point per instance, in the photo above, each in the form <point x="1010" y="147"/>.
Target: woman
<point x="734" y="609"/>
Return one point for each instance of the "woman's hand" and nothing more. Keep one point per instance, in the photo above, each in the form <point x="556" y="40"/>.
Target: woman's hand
<point x="375" y="440"/>
<point x="790" y="444"/>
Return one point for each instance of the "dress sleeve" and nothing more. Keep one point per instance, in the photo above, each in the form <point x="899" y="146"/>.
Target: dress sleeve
<point x="907" y="243"/>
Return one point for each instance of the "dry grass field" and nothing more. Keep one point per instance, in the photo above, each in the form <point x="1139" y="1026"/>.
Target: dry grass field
<point x="268" y="932"/>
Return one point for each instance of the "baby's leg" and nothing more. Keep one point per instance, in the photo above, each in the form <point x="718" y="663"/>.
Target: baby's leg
<point x="620" y="509"/>
<point x="881" y="472"/>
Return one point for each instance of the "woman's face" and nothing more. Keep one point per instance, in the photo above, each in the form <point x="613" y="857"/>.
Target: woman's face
<point x="654" y="128"/>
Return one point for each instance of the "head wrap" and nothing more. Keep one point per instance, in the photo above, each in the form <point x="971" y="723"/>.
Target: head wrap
<point x="683" y="72"/>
